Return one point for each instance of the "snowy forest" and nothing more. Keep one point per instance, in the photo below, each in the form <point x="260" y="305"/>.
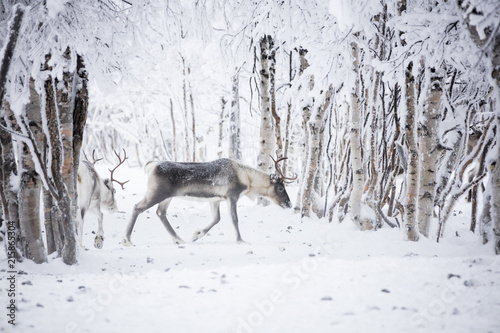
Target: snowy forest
<point x="387" y="111"/>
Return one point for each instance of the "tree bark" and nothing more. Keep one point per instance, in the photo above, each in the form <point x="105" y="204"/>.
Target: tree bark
<point x="311" y="179"/>
<point x="429" y="149"/>
<point x="410" y="202"/>
<point x="221" y="127"/>
<point x="63" y="198"/>
<point x="8" y="183"/>
<point x="234" y="120"/>
<point x="10" y="43"/>
<point x="266" y="125"/>
<point x="355" y="201"/>
<point x="29" y="191"/>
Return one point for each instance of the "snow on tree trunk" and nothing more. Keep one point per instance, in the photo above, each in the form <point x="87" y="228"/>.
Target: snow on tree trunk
<point x="62" y="195"/>
<point x="7" y="182"/>
<point x="272" y="93"/>
<point x="29" y="191"/>
<point x="186" y="117"/>
<point x="355" y="201"/>
<point x="486" y="36"/>
<point x="221" y="127"/>
<point x="429" y="149"/>
<point x="311" y="190"/>
<point x="234" y="120"/>
<point x="64" y="100"/>
<point x="410" y="201"/>
<point x="193" y="117"/>
<point x="266" y="124"/>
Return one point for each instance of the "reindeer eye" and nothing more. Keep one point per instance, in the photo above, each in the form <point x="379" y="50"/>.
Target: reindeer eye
<point x="281" y="189"/>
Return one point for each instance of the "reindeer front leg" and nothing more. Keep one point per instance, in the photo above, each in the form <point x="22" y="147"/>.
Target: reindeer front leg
<point x="162" y="214"/>
<point x="214" y="206"/>
<point x="99" y="239"/>
<point x="79" y="217"/>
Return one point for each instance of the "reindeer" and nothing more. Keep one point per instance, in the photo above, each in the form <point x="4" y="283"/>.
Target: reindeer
<point x="216" y="181"/>
<point x="95" y="194"/>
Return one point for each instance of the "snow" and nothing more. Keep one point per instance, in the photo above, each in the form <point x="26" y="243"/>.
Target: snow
<point x="54" y="7"/>
<point x="290" y="276"/>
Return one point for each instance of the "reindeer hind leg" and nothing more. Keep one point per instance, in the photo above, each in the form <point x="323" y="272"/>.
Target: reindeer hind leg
<point x="216" y="218"/>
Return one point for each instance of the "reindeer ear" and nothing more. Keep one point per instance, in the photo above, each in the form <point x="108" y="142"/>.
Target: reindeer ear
<point x="106" y="182"/>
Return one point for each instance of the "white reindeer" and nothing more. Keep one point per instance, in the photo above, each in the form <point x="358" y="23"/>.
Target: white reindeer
<point x="95" y="194"/>
<point x="220" y="180"/>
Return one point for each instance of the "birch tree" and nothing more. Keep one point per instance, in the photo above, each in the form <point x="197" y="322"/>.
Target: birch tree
<point x="358" y="182"/>
<point x="429" y="148"/>
<point x="234" y="119"/>
<point x="267" y="140"/>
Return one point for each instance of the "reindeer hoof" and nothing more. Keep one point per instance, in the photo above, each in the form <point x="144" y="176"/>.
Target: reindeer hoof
<point x="126" y="242"/>
<point x="179" y="241"/>
<point x="98" y="242"/>
<point x="197" y="235"/>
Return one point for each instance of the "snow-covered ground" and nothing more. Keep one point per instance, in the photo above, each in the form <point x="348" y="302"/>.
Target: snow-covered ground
<point x="290" y="276"/>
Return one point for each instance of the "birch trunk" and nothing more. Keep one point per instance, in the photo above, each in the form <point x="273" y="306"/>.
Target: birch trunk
<point x="186" y="118"/>
<point x="358" y="180"/>
<point x="234" y="120"/>
<point x="272" y="93"/>
<point x="311" y="178"/>
<point x="221" y="127"/>
<point x="193" y="118"/>
<point x="174" y="136"/>
<point x="410" y="202"/>
<point x="429" y="150"/>
<point x="29" y="191"/>
<point x="8" y="184"/>
<point x="495" y="186"/>
<point x="266" y="125"/>
<point x="67" y="222"/>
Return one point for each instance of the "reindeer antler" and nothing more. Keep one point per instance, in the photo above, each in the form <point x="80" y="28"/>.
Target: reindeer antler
<point x="93" y="157"/>
<point x="120" y="163"/>
<point x="280" y="172"/>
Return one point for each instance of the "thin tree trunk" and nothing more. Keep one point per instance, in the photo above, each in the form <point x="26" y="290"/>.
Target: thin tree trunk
<point x="186" y="126"/>
<point x="266" y="125"/>
<point x="429" y="150"/>
<point x="221" y="127"/>
<point x="174" y="135"/>
<point x="29" y="191"/>
<point x="193" y="118"/>
<point x="358" y="181"/>
<point x="9" y="183"/>
<point x="311" y="188"/>
<point x="234" y="120"/>
<point x="63" y="197"/>
<point x="10" y="46"/>
<point x="410" y="202"/>
<point x="272" y="93"/>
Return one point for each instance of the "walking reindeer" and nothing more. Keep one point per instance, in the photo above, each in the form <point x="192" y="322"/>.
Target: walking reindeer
<point x="95" y="194"/>
<point x="216" y="181"/>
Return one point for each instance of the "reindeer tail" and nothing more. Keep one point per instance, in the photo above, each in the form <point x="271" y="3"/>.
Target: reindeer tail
<point x="150" y="166"/>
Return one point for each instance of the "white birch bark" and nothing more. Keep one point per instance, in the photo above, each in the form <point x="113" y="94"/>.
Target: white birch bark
<point x="29" y="192"/>
<point x="410" y="202"/>
<point x="355" y="201"/>
<point x="234" y="120"/>
<point x="429" y="149"/>
<point x="266" y="125"/>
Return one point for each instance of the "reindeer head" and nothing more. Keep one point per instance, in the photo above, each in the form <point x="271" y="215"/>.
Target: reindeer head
<point x="108" y="195"/>
<point x="278" y="181"/>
